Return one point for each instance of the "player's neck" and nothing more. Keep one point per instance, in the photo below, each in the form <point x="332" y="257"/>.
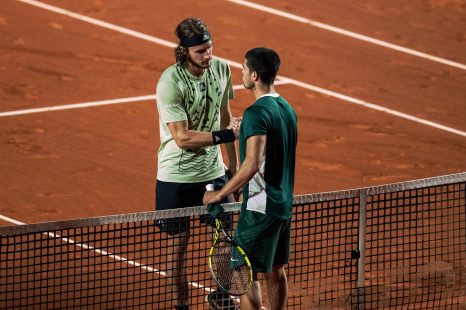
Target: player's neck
<point x="195" y="70"/>
<point x="262" y="89"/>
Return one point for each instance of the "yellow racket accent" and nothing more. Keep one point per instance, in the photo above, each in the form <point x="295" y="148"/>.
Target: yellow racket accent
<point x="229" y="265"/>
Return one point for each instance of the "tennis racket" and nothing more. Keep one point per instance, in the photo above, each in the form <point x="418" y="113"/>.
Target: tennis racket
<point x="229" y="265"/>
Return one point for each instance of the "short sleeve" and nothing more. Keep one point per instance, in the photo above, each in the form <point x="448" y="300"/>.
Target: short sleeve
<point x="229" y="93"/>
<point x="256" y="122"/>
<point x="170" y="102"/>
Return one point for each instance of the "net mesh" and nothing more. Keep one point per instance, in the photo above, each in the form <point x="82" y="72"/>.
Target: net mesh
<point x="416" y="248"/>
<point x="399" y="246"/>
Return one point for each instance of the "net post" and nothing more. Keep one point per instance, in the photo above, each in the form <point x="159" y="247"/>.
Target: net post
<point x="360" y="290"/>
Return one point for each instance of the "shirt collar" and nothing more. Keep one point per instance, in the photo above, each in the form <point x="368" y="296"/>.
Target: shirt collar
<point x="275" y="95"/>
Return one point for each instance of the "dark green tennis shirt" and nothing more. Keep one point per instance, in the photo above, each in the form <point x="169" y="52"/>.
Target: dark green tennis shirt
<point x="270" y="191"/>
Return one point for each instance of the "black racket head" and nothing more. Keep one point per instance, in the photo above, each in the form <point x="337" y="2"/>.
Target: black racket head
<point x="230" y="268"/>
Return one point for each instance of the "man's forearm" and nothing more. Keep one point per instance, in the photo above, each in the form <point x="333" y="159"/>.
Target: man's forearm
<point x="193" y="139"/>
<point x="232" y="157"/>
<point x="245" y="173"/>
<point x="255" y="156"/>
<point x="230" y="147"/>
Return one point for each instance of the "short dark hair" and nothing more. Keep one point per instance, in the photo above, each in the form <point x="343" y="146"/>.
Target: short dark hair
<point x="265" y="62"/>
<point x="188" y="28"/>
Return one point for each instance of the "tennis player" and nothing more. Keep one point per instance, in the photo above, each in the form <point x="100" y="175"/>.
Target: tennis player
<point x="193" y="106"/>
<point x="267" y="139"/>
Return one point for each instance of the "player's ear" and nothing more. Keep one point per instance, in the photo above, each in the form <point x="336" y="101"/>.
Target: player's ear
<point x="255" y="76"/>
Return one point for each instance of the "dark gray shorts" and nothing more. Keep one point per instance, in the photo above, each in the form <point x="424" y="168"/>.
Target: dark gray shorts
<point x="265" y="239"/>
<point x="170" y="195"/>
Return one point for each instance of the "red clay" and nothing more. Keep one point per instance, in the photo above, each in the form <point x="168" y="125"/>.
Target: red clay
<point x="102" y="160"/>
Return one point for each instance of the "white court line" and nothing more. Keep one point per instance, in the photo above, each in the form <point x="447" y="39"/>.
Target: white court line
<point x="238" y="65"/>
<point x="100" y="23"/>
<point x="117" y="258"/>
<point x="98" y="103"/>
<point x="349" y="33"/>
<point x="13" y="221"/>
<point x="376" y="107"/>
<point x="77" y="105"/>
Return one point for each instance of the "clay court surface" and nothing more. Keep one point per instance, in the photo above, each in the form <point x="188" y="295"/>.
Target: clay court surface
<point x="101" y="159"/>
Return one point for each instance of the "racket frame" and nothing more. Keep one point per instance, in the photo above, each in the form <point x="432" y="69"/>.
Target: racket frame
<point x="228" y="239"/>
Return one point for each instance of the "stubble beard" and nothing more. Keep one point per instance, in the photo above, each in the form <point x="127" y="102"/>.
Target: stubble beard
<point x="203" y="65"/>
<point x="249" y="85"/>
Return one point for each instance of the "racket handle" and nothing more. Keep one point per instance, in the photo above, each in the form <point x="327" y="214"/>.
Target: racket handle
<point x="209" y="187"/>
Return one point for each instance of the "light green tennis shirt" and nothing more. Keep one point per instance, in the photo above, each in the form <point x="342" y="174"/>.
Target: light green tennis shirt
<point x="181" y="96"/>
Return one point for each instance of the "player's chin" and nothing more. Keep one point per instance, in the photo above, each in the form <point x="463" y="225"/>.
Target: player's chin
<point x="206" y="64"/>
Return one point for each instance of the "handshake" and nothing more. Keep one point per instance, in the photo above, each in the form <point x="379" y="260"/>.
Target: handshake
<point x="235" y="123"/>
<point x="230" y="134"/>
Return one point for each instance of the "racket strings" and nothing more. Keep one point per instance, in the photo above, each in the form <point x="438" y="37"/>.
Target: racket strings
<point x="230" y="268"/>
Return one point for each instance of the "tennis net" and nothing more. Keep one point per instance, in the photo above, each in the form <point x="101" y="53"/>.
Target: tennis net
<point x="397" y="246"/>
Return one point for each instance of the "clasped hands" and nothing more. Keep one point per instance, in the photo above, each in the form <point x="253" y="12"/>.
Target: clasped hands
<point x="235" y="123"/>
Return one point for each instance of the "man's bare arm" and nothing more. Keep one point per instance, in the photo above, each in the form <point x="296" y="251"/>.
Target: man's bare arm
<point x="189" y="139"/>
<point x="254" y="158"/>
<point x="230" y="148"/>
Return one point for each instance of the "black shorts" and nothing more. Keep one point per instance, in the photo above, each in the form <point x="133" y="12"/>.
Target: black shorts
<point x="169" y="195"/>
